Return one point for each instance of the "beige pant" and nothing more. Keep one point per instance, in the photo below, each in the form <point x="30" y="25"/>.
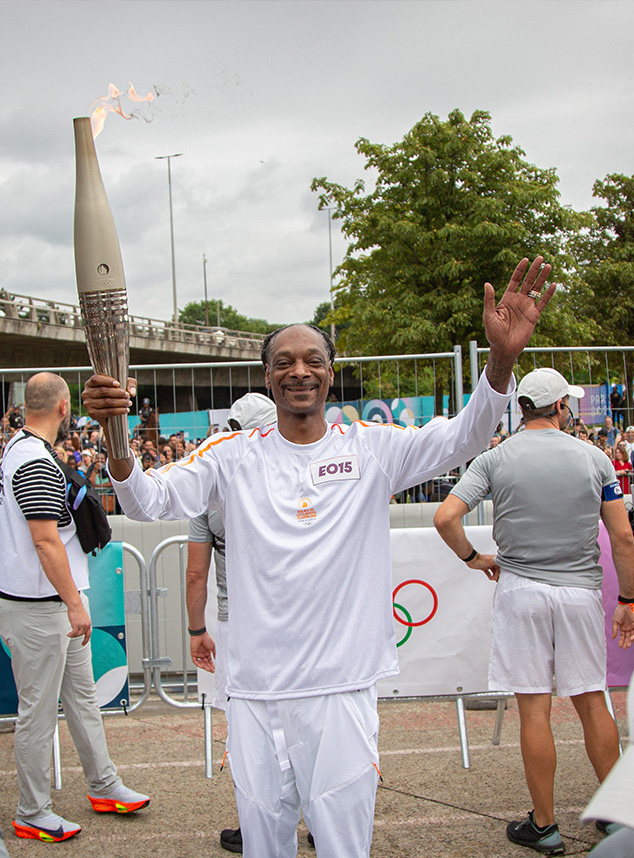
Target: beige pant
<point x="49" y="666"/>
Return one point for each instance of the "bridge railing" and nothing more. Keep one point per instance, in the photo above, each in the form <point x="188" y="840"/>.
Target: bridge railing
<point x="58" y="313"/>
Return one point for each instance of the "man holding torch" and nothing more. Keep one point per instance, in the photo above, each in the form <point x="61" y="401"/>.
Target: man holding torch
<point x="305" y="506"/>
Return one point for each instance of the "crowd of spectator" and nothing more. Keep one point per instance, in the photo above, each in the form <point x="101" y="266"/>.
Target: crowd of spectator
<point x="85" y="451"/>
<point x="616" y="442"/>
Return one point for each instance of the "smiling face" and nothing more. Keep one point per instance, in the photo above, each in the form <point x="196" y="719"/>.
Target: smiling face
<point x="299" y="373"/>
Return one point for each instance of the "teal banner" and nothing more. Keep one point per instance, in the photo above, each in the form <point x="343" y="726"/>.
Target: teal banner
<point x="108" y="642"/>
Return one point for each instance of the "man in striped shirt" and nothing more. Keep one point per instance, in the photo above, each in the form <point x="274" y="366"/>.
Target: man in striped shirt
<point x="44" y="620"/>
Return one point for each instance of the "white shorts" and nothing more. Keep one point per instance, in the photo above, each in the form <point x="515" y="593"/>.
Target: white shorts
<point x="540" y="630"/>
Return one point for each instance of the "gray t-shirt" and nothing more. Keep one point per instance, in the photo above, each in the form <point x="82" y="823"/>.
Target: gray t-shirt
<point x="547" y="488"/>
<point x="209" y="527"/>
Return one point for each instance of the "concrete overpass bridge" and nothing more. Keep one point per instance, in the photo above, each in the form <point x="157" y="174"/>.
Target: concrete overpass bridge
<point x="35" y="332"/>
<point x="180" y="368"/>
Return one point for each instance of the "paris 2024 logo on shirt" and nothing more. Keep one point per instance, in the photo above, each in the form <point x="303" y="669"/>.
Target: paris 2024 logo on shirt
<point x="306" y="513"/>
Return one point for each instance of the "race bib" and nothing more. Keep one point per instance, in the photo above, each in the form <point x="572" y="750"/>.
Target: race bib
<point x="337" y="468"/>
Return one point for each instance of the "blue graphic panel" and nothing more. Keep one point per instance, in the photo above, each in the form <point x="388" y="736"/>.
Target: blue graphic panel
<point x="8" y="694"/>
<point x="107" y="610"/>
<point x="108" y="641"/>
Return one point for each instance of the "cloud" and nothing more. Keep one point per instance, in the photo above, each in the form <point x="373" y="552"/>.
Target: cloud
<point x="260" y="97"/>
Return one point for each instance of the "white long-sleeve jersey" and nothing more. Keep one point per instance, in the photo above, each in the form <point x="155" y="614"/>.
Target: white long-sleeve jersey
<point x="307" y="539"/>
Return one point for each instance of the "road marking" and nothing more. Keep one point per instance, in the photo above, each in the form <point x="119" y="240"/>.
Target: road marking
<point x="452" y="749"/>
<point x="457" y="748"/>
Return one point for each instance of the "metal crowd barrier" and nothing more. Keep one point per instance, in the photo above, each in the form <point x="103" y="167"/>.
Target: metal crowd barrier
<point x="158" y="661"/>
<point x="145" y="602"/>
<point x="136" y="602"/>
<point x="183" y="386"/>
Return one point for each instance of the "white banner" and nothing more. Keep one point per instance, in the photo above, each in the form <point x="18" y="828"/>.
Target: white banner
<point x="444" y="625"/>
<point x="444" y="615"/>
<point x="218" y="418"/>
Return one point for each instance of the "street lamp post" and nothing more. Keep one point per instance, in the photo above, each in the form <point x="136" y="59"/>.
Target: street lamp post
<point x="205" y="280"/>
<point x="217" y="299"/>
<point x="169" y="183"/>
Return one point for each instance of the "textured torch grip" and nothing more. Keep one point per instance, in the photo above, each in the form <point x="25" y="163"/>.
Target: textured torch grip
<point x="105" y="316"/>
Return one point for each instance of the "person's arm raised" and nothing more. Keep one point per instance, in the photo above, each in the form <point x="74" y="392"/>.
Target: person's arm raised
<point x="510" y="324"/>
<point x="103" y="397"/>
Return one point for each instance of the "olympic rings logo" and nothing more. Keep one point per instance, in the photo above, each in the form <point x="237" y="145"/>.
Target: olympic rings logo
<point x="408" y="621"/>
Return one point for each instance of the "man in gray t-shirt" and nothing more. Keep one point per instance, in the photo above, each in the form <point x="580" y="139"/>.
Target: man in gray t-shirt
<point x="549" y="490"/>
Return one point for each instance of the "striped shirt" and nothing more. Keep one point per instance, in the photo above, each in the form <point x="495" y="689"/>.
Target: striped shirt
<point x="41" y="487"/>
<point x="40" y="491"/>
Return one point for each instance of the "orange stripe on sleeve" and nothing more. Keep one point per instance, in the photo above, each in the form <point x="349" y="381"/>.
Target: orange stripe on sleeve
<point x="225" y="436"/>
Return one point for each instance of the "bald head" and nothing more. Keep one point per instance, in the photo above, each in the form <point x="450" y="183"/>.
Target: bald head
<point x="43" y="393"/>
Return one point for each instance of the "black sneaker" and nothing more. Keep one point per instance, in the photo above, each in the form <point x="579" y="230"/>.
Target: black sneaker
<point x="311" y="840"/>
<point x="231" y="840"/>
<point x="606" y="827"/>
<point x="526" y="833"/>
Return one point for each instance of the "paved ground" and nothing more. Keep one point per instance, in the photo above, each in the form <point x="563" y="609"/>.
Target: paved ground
<point x="428" y="805"/>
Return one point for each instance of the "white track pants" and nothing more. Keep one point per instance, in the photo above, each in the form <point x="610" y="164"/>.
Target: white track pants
<point x="319" y="753"/>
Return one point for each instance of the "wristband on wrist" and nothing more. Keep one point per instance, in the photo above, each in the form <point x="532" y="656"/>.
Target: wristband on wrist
<point x="624" y="601"/>
<point x="194" y="633"/>
<point x="468" y="559"/>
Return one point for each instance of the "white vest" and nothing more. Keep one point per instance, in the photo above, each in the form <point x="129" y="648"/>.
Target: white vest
<point x="21" y="572"/>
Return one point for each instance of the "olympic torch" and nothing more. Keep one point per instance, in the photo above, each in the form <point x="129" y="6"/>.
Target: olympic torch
<point x="100" y="279"/>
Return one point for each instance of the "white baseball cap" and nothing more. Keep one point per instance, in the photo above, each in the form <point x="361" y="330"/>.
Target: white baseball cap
<point x="252" y="410"/>
<point x="614" y="800"/>
<point x="545" y="386"/>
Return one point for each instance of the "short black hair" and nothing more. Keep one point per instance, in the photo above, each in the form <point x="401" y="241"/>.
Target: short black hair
<point x="529" y="412"/>
<point x="268" y="340"/>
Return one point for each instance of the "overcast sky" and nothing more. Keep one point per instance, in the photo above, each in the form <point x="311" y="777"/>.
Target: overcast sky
<point x="260" y="97"/>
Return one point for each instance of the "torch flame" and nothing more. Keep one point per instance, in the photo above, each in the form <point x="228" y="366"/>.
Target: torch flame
<point x="111" y="103"/>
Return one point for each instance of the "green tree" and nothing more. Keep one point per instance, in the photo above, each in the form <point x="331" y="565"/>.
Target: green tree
<point x="451" y="208"/>
<point x="605" y="284"/>
<point x="223" y="315"/>
<point x="323" y="316"/>
<point x="603" y="288"/>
